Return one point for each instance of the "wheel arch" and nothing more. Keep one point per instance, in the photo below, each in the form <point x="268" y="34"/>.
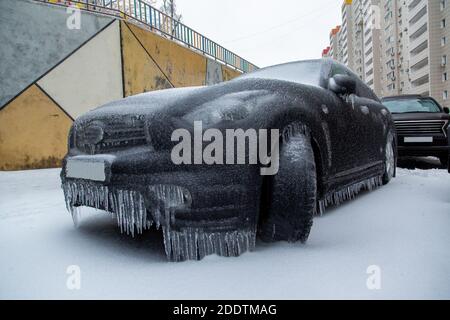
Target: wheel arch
<point x="320" y="163"/>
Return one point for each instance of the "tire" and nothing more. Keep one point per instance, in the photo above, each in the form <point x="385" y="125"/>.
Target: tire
<point x="444" y="160"/>
<point x="390" y="159"/>
<point x="290" y="197"/>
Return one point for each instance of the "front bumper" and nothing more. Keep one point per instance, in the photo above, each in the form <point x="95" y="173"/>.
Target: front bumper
<point x="437" y="148"/>
<point x="423" y="150"/>
<point x="213" y="198"/>
<point x="202" y="210"/>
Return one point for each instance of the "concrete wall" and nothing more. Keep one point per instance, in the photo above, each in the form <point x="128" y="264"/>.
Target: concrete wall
<point x="180" y="65"/>
<point x="89" y="77"/>
<point x="33" y="131"/>
<point x="34" y="38"/>
<point x="140" y="72"/>
<point x="50" y="74"/>
<point x="213" y="72"/>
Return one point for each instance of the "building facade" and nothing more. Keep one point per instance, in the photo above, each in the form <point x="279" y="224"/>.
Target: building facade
<point x="398" y="46"/>
<point x="326" y="52"/>
<point x="335" y="44"/>
<point x="346" y="37"/>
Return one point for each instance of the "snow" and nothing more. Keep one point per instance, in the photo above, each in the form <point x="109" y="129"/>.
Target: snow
<point x="403" y="228"/>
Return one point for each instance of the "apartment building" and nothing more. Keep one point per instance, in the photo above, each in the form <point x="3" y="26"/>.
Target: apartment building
<point x="358" y="41"/>
<point x="398" y="46"/>
<point x="430" y="48"/>
<point x="346" y="35"/>
<point x="367" y="42"/>
<point x="395" y="78"/>
<point x="335" y="45"/>
<point x="326" y="52"/>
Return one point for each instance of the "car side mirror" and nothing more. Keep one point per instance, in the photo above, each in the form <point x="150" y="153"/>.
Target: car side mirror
<point x="342" y="84"/>
<point x="446" y="110"/>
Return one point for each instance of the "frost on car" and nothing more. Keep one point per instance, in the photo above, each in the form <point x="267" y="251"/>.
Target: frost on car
<point x="335" y="139"/>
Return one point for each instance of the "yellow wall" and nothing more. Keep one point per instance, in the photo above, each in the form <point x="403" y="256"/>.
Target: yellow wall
<point x="33" y="132"/>
<point x="182" y="66"/>
<point x="140" y="72"/>
<point x="229" y="74"/>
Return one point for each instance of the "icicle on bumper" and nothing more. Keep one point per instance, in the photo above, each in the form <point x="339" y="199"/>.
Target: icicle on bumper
<point x="133" y="217"/>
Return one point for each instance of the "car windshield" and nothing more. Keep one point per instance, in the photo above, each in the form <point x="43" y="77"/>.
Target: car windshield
<point x="412" y="106"/>
<point x="306" y="72"/>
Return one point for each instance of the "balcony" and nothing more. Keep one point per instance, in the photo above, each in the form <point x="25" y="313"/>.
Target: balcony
<point x="368" y="57"/>
<point x="418" y="28"/>
<point x="419" y="45"/>
<point x="424" y="88"/>
<point x="413" y="4"/>
<point x="418" y="58"/>
<point x="417" y="13"/>
<point x="420" y="77"/>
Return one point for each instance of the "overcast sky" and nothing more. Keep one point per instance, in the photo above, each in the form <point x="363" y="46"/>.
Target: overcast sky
<point x="265" y="32"/>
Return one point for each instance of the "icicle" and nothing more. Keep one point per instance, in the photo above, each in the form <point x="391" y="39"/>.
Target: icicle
<point x="339" y="196"/>
<point x="294" y="129"/>
<point x="128" y="206"/>
<point x="76" y="216"/>
<point x="195" y="244"/>
<point x="131" y="214"/>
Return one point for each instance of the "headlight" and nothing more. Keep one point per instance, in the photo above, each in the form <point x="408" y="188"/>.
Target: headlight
<point x="212" y="116"/>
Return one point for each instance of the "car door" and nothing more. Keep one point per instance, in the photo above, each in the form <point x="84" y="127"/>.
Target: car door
<point x="338" y="127"/>
<point x="371" y="127"/>
<point x="349" y="127"/>
<point x="358" y="130"/>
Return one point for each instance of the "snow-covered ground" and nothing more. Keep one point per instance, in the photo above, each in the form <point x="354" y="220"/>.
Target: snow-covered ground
<point x="402" y="228"/>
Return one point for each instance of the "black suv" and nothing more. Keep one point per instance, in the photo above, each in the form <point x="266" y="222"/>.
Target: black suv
<point x="421" y="126"/>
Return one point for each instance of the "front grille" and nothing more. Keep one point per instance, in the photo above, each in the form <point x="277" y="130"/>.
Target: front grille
<point x="115" y="134"/>
<point x="421" y="127"/>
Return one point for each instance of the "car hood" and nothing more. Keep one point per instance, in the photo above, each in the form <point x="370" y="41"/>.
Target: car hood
<point x="242" y="103"/>
<point x="236" y="99"/>
<point x="420" y="116"/>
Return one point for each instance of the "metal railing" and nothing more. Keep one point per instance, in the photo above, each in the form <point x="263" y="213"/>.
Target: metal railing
<point x="143" y="14"/>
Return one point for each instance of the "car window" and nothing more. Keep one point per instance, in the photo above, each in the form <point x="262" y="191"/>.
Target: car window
<point x="303" y="72"/>
<point x="412" y="105"/>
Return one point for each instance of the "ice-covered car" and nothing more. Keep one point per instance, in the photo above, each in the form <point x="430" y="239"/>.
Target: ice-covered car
<point x="334" y="139"/>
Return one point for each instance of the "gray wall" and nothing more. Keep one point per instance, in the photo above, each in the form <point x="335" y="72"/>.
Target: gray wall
<point x="34" y="38"/>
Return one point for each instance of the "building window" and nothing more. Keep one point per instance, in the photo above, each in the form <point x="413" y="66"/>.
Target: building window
<point x="444" y="77"/>
<point x="444" y="60"/>
<point x="443" y="23"/>
<point x="445" y="95"/>
<point x="443" y="4"/>
<point x="443" y="41"/>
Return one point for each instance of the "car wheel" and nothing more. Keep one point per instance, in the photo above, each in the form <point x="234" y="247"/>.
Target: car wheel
<point x="389" y="159"/>
<point x="290" y="196"/>
<point x="444" y="160"/>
